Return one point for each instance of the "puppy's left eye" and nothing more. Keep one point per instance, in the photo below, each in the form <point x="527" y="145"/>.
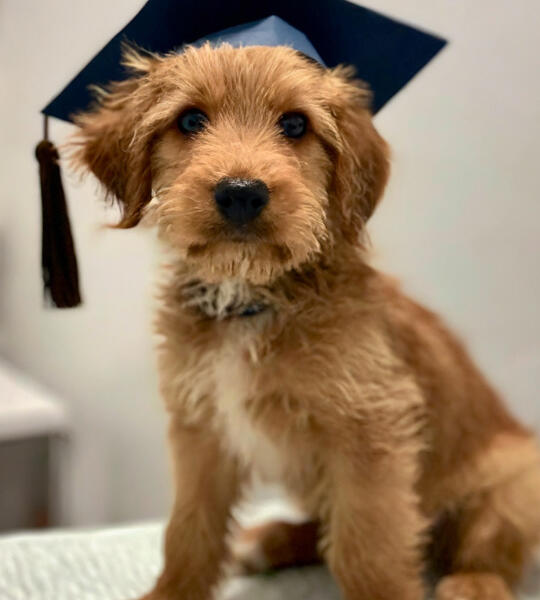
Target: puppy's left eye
<point x="192" y="121"/>
<point x="293" y="124"/>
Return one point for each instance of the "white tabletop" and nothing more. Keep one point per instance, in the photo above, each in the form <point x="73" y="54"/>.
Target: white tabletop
<point x="120" y="563"/>
<point x="26" y="408"/>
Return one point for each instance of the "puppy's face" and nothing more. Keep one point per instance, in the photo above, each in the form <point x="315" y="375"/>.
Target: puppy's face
<point x="256" y="159"/>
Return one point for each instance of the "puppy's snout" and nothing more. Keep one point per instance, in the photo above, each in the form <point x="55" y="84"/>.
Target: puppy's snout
<point x="241" y="200"/>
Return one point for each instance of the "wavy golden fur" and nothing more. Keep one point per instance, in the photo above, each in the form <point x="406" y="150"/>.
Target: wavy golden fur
<point x="352" y="395"/>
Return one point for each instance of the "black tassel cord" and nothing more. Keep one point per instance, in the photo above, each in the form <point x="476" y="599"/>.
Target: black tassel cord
<point x="58" y="259"/>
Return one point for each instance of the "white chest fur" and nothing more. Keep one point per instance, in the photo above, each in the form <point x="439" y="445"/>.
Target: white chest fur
<point x="234" y="387"/>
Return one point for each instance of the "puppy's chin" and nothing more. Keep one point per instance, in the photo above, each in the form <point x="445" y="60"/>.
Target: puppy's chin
<point x="255" y="263"/>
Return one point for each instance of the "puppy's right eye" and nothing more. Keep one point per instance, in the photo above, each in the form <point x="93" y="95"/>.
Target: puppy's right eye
<point x="192" y="121"/>
<point x="293" y="125"/>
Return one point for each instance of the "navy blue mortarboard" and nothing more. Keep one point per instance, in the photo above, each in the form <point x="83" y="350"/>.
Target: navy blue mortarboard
<point x="387" y="54"/>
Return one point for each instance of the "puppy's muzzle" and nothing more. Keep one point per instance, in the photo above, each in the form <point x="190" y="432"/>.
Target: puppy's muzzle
<point x="241" y="200"/>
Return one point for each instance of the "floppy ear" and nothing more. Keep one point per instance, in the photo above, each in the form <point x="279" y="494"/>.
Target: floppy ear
<point x="362" y="156"/>
<point x="113" y="142"/>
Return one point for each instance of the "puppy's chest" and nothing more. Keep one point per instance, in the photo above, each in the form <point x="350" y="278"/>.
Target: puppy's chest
<point x="240" y="414"/>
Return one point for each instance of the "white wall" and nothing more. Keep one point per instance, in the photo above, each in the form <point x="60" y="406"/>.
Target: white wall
<point x="461" y="221"/>
<point x="460" y="225"/>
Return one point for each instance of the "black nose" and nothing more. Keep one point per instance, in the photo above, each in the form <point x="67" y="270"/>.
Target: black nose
<point x="241" y="200"/>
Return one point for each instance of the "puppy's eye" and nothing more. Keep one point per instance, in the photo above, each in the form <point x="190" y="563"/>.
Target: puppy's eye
<point x="293" y="124"/>
<point x="192" y="121"/>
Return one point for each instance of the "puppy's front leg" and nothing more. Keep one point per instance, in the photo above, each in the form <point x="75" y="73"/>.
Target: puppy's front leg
<point x="207" y="484"/>
<point x="374" y="529"/>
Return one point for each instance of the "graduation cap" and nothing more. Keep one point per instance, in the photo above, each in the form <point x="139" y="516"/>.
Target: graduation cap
<point x="386" y="53"/>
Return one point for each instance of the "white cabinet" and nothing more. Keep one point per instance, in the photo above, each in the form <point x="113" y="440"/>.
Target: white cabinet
<point x="34" y="440"/>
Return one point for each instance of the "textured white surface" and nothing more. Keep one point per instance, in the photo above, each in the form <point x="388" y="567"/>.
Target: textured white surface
<point x="104" y="565"/>
<point x="122" y="563"/>
<point x="119" y="564"/>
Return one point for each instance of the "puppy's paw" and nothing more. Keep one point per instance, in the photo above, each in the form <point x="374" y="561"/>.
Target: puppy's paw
<point x="473" y="586"/>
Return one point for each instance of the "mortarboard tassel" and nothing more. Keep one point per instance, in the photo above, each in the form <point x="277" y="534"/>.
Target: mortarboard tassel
<point x="58" y="260"/>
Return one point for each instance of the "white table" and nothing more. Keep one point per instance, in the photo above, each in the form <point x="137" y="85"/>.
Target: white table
<point x="122" y="563"/>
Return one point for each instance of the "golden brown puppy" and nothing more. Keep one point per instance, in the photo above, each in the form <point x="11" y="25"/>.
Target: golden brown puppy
<point x="284" y="353"/>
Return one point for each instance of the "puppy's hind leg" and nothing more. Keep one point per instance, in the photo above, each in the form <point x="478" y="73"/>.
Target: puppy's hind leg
<point x="275" y="545"/>
<point x="497" y="532"/>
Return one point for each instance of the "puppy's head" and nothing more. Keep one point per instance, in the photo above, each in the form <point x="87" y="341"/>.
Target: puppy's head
<point x="253" y="161"/>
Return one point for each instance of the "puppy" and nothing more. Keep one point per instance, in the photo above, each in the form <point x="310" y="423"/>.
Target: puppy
<point x="284" y="354"/>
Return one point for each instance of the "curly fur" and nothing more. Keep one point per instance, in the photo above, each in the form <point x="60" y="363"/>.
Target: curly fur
<point x="352" y="395"/>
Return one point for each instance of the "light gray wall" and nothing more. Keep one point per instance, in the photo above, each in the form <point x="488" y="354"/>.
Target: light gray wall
<point x="460" y="225"/>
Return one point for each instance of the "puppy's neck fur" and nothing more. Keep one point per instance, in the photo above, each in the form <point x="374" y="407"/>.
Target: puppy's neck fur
<point x="236" y="297"/>
<point x="227" y="299"/>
